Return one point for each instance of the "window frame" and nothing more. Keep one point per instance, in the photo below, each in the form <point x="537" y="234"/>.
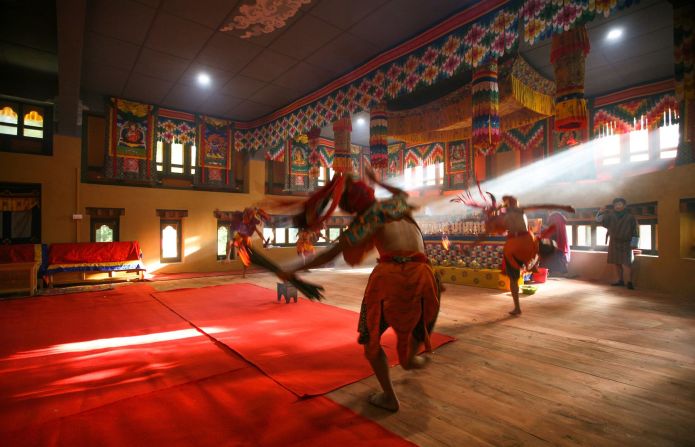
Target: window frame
<point x="23" y="144"/>
<point x="188" y="162"/>
<point x="178" y="222"/>
<point x="225" y="224"/>
<point x="96" y="222"/>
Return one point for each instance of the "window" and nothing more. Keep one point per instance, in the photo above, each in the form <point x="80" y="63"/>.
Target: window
<point x="601" y="236"/>
<point x="570" y="236"/>
<point x="25" y="127"/>
<point x="609" y="147"/>
<point x="170" y="236"/>
<point x="104" y="223"/>
<point x="20" y="217"/>
<point x="668" y="140"/>
<point x="584" y="235"/>
<point x="334" y="233"/>
<point x="419" y="176"/>
<point x="323" y="175"/>
<point x="639" y="145"/>
<point x="175" y="159"/>
<point x="223" y="239"/>
<point x="103" y="230"/>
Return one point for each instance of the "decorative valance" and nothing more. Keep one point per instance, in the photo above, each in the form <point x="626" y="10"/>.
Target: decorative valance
<point x="532" y="90"/>
<point x="16" y="203"/>
<point x="648" y="112"/>
<point x="460" y="43"/>
<point x="531" y="137"/>
<point x="424" y="155"/>
<point x="172" y="214"/>
<point x="326" y="153"/>
<point x="104" y="212"/>
<point x="176" y="127"/>
<point x="276" y="153"/>
<point x="522" y="94"/>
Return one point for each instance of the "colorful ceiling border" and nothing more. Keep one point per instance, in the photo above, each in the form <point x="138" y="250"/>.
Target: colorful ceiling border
<point x="488" y="29"/>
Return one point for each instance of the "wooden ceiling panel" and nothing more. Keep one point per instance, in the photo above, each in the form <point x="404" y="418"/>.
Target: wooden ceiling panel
<point x="126" y="20"/>
<point x="209" y="13"/>
<point x="186" y="97"/>
<point x="102" y="49"/>
<point x="247" y="110"/>
<point x="242" y="86"/>
<point x="274" y="95"/>
<point x="344" y="14"/>
<point x="146" y="88"/>
<point x="102" y="78"/>
<point x="160" y="65"/>
<point x="268" y="66"/>
<point x="305" y="78"/>
<point x="305" y="37"/>
<point x="220" y="105"/>
<point x="228" y="52"/>
<point x="345" y="52"/>
<point x="177" y="36"/>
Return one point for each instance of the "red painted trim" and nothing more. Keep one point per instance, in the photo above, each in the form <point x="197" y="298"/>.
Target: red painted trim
<point x="326" y="142"/>
<point x="175" y="114"/>
<point x="466" y="16"/>
<point x="635" y="92"/>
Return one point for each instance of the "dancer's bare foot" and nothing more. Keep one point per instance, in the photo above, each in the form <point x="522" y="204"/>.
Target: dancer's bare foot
<point x="515" y="312"/>
<point x="382" y="401"/>
<point x="418" y="362"/>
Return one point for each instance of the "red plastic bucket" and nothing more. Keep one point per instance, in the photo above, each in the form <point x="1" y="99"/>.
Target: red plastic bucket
<point x="540" y="276"/>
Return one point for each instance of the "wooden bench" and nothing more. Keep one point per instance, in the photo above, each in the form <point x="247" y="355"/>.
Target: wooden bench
<point x="93" y="261"/>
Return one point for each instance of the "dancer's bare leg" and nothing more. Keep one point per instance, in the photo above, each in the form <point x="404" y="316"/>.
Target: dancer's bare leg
<point x="386" y="399"/>
<point x="415" y="361"/>
<point x="514" y="287"/>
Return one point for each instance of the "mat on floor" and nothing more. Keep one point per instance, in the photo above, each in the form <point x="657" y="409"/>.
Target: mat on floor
<point x="239" y="408"/>
<point x="308" y="347"/>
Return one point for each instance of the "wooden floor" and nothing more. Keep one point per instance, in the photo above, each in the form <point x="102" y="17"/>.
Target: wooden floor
<point x="586" y="364"/>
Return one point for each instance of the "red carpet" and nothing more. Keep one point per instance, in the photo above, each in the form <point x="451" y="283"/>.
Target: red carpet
<point x="308" y="347"/>
<point x="66" y="354"/>
<point x="116" y="368"/>
<point x="240" y="408"/>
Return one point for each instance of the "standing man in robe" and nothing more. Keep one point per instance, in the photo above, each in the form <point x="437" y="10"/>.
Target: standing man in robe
<point x="623" y="233"/>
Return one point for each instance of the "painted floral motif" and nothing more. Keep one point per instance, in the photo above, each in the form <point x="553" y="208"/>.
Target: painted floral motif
<point x="264" y="17"/>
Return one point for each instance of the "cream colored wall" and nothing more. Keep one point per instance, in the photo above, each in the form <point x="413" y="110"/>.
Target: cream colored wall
<point x="668" y="271"/>
<point x="59" y="179"/>
<point x="63" y="195"/>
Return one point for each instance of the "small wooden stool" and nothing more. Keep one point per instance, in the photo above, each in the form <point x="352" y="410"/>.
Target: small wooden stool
<point x="287" y="290"/>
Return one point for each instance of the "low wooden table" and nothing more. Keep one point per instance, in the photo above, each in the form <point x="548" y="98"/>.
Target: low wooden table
<point x="18" y="277"/>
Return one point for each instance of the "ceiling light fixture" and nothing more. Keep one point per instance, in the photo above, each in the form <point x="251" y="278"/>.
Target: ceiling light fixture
<point x="360" y="121"/>
<point x="203" y="79"/>
<point x="614" y="34"/>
